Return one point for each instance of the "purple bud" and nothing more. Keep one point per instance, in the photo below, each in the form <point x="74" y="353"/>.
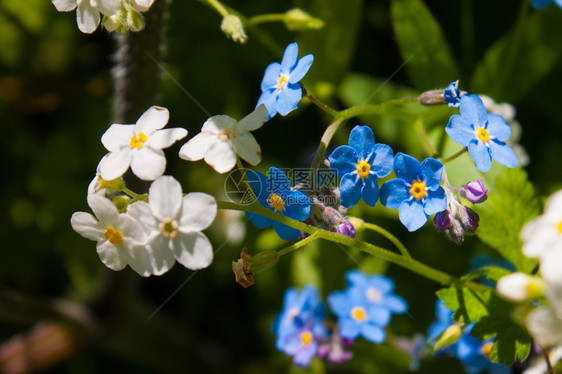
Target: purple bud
<point x="455" y="232"/>
<point x="469" y="220"/>
<point x="442" y="220"/>
<point x="346" y="228"/>
<point x="336" y="349"/>
<point x="475" y="192"/>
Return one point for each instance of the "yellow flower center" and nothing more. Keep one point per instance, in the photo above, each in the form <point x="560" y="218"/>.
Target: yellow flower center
<point x="418" y="189"/>
<point x="306" y="338"/>
<point x="560" y="227"/>
<point x="226" y="134"/>
<point x="169" y="228"/>
<point x="276" y="202"/>
<point x="137" y="141"/>
<point x="363" y="169"/>
<point x="282" y="81"/>
<point x="358" y="313"/>
<point x="113" y="235"/>
<point x="487" y="349"/>
<point x="483" y="135"/>
<point x="373" y="295"/>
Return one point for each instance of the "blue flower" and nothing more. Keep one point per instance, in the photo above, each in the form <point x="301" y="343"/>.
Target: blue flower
<point x="300" y="325"/>
<point x="444" y="320"/>
<point x="275" y="193"/>
<point x="359" y="164"/>
<point x="281" y="91"/>
<point x="483" y="133"/>
<point x="538" y="4"/>
<point x="452" y="95"/>
<point x="475" y="354"/>
<point x="416" y="193"/>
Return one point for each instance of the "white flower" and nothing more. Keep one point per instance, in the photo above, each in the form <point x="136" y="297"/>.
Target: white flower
<point x="222" y="138"/>
<point x="142" y="5"/>
<point x="544" y="233"/>
<point x="173" y="223"/>
<point x="545" y="326"/>
<point x="88" y="11"/>
<point x="139" y="146"/>
<point x="119" y="237"/>
<point x="520" y="287"/>
<point x="538" y="365"/>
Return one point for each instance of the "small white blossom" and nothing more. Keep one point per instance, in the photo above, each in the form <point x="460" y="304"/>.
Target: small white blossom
<point x="142" y="5"/>
<point x="119" y="237"/>
<point x="139" y="146"/>
<point x="538" y="365"/>
<point x="88" y="11"/>
<point x="173" y="223"/>
<point x="520" y="287"/>
<point x="222" y="138"/>
<point x="545" y="326"/>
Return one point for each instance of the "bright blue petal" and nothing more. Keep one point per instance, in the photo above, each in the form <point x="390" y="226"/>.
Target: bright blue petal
<point x="268" y="98"/>
<point x="395" y="304"/>
<point x="303" y="357"/>
<point x="288" y="99"/>
<point x="480" y="155"/>
<point x="393" y="193"/>
<point x="460" y="130"/>
<point x="538" y="4"/>
<point x="432" y="171"/>
<point x="373" y="333"/>
<point x="382" y="160"/>
<point x="362" y="140"/>
<point x="290" y="57"/>
<point x="370" y="191"/>
<point x="412" y="215"/>
<point x="356" y="278"/>
<point x="277" y="182"/>
<point x="339" y="303"/>
<point x="435" y="202"/>
<point x="473" y="109"/>
<point x="558" y="2"/>
<point x="349" y="329"/>
<point x="503" y="154"/>
<point x="285" y="232"/>
<point x="344" y="160"/>
<point x="301" y="69"/>
<point x="298" y="205"/>
<point x="406" y="167"/>
<point x="350" y="190"/>
<point x="259" y="183"/>
<point x="271" y="76"/>
<point x="378" y="315"/>
<point x="498" y="128"/>
<point x="259" y="221"/>
<point x="381" y="283"/>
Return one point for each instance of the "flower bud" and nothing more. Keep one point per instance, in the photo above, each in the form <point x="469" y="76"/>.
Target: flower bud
<point x="442" y="220"/>
<point x="455" y="231"/>
<point x="121" y="202"/>
<point x="469" y="219"/>
<point x="452" y="95"/>
<point x="450" y="336"/>
<point x="232" y="26"/>
<point x="475" y="192"/>
<point x="520" y="287"/>
<point x="297" y="19"/>
<point x="346" y="229"/>
<point x="433" y="97"/>
<point x="135" y="20"/>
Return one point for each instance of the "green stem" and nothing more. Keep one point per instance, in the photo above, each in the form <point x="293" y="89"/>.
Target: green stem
<point x="135" y="196"/>
<point x="217" y="5"/>
<point x="319" y="103"/>
<point x="424" y="139"/>
<point x="397" y="243"/>
<point x="298" y="244"/>
<point x="325" y="141"/>
<point x="452" y="157"/>
<point x="375" y="108"/>
<point x="264" y="18"/>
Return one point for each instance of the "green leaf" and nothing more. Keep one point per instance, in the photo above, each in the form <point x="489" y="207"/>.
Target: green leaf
<point x="422" y="44"/>
<point x="510" y="204"/>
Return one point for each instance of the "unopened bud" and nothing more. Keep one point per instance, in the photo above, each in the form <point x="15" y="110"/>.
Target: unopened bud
<point x="116" y="23"/>
<point x="475" y="192"/>
<point x="346" y="229"/>
<point x="121" y="202"/>
<point x="433" y="97"/>
<point x="232" y="26"/>
<point x="455" y="231"/>
<point x="520" y="287"/>
<point x="450" y="336"/>
<point x="469" y="220"/>
<point x="297" y="19"/>
<point x="442" y="220"/>
<point x="135" y="20"/>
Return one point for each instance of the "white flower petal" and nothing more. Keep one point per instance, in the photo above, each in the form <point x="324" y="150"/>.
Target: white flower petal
<point x="160" y="255"/>
<point x="87" y="17"/>
<point x="131" y="229"/>
<point x="216" y="123"/>
<point x="254" y="120"/>
<point x="221" y="157"/>
<point x="165" y="138"/>
<point x="140" y="260"/>
<point x="153" y="119"/>
<point x="196" y="148"/>
<point x="104" y="210"/>
<point x="142" y="5"/>
<point x="545" y="326"/>
<point x="193" y="250"/>
<point x="117" y="137"/>
<point x="514" y="286"/>
<point x="86" y="225"/>
<point x="148" y="164"/>
<point x="246" y="146"/>
<point x="553" y="207"/>
<point x="165" y="198"/>
<point x="141" y="211"/>
<point x="110" y="255"/>
<point x="198" y="212"/>
<point x="115" y="164"/>
<point x="64" y="5"/>
<point x="109" y="7"/>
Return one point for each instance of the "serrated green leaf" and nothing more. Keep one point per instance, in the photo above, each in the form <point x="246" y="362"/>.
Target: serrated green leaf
<point x="512" y="203"/>
<point x="423" y="45"/>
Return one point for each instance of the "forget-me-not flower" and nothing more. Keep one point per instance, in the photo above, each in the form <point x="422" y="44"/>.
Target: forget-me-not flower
<point x="539" y="4"/>
<point x="483" y="133"/>
<point x="475" y="354"/>
<point x="452" y="95"/>
<point x="359" y="164"/>
<point x="275" y="193"/>
<point x="281" y="91"/>
<point x="417" y="192"/>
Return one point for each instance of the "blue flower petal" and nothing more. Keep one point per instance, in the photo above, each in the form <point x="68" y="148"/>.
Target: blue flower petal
<point x="305" y="354"/>
<point x="301" y="69"/>
<point x="480" y="155"/>
<point x="298" y="206"/>
<point x="406" y="167"/>
<point x="288" y="99"/>
<point x="381" y="283"/>
<point x="268" y="98"/>
<point x="259" y="183"/>
<point x="338" y="302"/>
<point x="350" y="189"/>
<point x="271" y="77"/>
<point x="498" y="128"/>
<point x="382" y="160"/>
<point x="278" y="182"/>
<point x="344" y="160"/>
<point x="412" y="215"/>
<point x="538" y="4"/>
<point x="503" y="154"/>
<point x="460" y="130"/>
<point x="435" y="202"/>
<point x="285" y="232"/>
<point x="378" y="315"/>
<point x="290" y="57"/>
<point x="260" y="221"/>
<point x="395" y="304"/>
<point x="393" y="193"/>
<point x="370" y="191"/>
<point x="373" y="333"/>
<point x="362" y="140"/>
<point x="349" y="329"/>
<point x="558" y="2"/>
<point x="473" y="109"/>
<point x="432" y="171"/>
<point x="356" y="278"/>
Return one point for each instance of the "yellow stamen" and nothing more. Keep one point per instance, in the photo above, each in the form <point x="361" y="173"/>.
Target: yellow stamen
<point x="483" y="135"/>
<point x="282" y="81"/>
<point x="358" y="313"/>
<point x="113" y="235"/>
<point x="306" y="338"/>
<point x="363" y="169"/>
<point x="276" y="202"/>
<point x="169" y="228"/>
<point x="487" y="349"/>
<point x="418" y="189"/>
<point x="137" y="141"/>
<point x="373" y="295"/>
<point x="560" y="227"/>
<point x="226" y="134"/>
